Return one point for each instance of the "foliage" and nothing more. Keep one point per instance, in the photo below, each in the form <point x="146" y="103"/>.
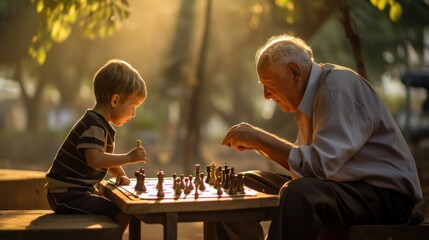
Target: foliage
<point x="96" y="18"/>
<point x="395" y="8"/>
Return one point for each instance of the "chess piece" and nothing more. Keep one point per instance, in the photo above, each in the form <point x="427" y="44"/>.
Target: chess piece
<point x="174" y="181"/>
<point x="196" y="191"/>
<point x="178" y="190"/>
<point x="160" y="184"/>
<point x="212" y="174"/>
<point x="202" y="187"/>
<point x="139" y="143"/>
<point x="208" y="169"/>
<point x="197" y="174"/>
<point x="182" y="184"/>
<point x="240" y="187"/>
<point x="191" y="186"/>
<point x="187" y="190"/>
<point x="226" y="183"/>
<point x="232" y="182"/>
<point x="140" y="181"/>
<point x="219" y="188"/>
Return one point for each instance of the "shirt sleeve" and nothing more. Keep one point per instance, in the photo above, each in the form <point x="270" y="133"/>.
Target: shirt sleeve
<point x="93" y="137"/>
<point x="341" y="126"/>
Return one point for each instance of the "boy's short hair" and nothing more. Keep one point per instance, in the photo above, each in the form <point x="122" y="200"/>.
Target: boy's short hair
<point x="118" y="77"/>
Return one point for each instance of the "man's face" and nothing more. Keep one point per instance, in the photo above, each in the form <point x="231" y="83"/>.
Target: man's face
<point x="281" y="84"/>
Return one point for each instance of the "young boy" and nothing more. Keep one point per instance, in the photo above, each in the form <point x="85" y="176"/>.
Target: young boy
<point x="87" y="153"/>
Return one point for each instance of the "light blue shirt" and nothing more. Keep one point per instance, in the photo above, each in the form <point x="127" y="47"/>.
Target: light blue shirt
<point x="347" y="134"/>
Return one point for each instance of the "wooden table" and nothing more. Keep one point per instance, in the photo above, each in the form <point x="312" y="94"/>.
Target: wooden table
<point x="169" y="212"/>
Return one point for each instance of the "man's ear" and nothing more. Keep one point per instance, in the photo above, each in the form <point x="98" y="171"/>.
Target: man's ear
<point x="114" y="100"/>
<point x="296" y="72"/>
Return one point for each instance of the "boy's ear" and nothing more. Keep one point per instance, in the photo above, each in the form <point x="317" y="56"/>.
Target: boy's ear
<point x="114" y="100"/>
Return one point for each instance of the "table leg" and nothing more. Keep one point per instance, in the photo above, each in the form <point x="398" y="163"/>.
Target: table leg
<point x="135" y="228"/>
<point x="209" y="230"/>
<point x="170" y="226"/>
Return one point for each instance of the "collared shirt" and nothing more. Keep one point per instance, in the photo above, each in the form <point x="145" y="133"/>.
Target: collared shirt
<point x="347" y="134"/>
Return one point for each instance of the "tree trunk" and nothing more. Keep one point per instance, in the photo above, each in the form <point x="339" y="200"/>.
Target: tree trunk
<point x="352" y="34"/>
<point x="192" y="152"/>
<point x="176" y="76"/>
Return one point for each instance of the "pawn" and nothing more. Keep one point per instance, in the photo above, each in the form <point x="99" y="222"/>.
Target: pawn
<point x="208" y="169"/>
<point x="186" y="191"/>
<point x="178" y="190"/>
<point x="174" y="181"/>
<point x="182" y="184"/>
<point x="191" y="186"/>
<point x="196" y="191"/>
<point x="219" y="189"/>
<point x="202" y="186"/>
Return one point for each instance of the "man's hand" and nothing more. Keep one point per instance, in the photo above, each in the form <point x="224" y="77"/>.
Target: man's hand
<point x="242" y="137"/>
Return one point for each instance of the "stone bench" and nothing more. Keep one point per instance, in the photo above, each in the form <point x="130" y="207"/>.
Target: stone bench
<point x="22" y="189"/>
<point x="45" y="224"/>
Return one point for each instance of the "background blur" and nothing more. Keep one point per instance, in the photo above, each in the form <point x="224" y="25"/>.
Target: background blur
<point x="197" y="58"/>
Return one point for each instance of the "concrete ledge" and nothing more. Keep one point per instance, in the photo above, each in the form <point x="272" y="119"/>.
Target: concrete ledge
<point x="45" y="224"/>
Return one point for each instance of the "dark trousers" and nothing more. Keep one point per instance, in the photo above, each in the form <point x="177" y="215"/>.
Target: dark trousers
<point x="308" y="206"/>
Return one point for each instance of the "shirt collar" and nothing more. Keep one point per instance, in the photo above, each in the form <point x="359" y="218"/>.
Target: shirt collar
<point x="306" y="103"/>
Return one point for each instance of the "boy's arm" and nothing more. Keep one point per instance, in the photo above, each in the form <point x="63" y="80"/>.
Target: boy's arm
<point x="99" y="159"/>
<point x="117" y="171"/>
<point x="121" y="176"/>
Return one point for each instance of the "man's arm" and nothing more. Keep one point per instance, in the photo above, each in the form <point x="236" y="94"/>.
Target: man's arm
<point x="244" y="136"/>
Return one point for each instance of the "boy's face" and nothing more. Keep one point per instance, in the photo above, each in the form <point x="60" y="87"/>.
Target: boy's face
<point x="123" y="111"/>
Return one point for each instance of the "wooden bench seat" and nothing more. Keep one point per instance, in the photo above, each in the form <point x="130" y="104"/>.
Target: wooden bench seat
<point x="390" y="232"/>
<point x="45" y="224"/>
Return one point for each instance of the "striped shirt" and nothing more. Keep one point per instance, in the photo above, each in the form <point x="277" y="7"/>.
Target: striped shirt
<point x="70" y="168"/>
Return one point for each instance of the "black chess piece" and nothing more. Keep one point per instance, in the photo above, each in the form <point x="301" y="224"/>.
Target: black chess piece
<point x="232" y="184"/>
<point x="219" y="188"/>
<point x="187" y="190"/>
<point x="202" y="187"/>
<point x="240" y="187"/>
<point x="160" y="184"/>
<point x="196" y="191"/>
<point x="174" y="181"/>
<point x="226" y="183"/>
<point x="182" y="184"/>
<point x="191" y="186"/>
<point x="178" y="190"/>
<point x="208" y="169"/>
<point x="140" y="186"/>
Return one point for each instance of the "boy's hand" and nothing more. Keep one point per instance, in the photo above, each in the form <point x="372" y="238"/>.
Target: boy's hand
<point x="122" y="180"/>
<point x="138" y="154"/>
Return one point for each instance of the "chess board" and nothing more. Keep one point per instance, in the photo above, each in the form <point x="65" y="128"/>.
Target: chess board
<point x="169" y="193"/>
